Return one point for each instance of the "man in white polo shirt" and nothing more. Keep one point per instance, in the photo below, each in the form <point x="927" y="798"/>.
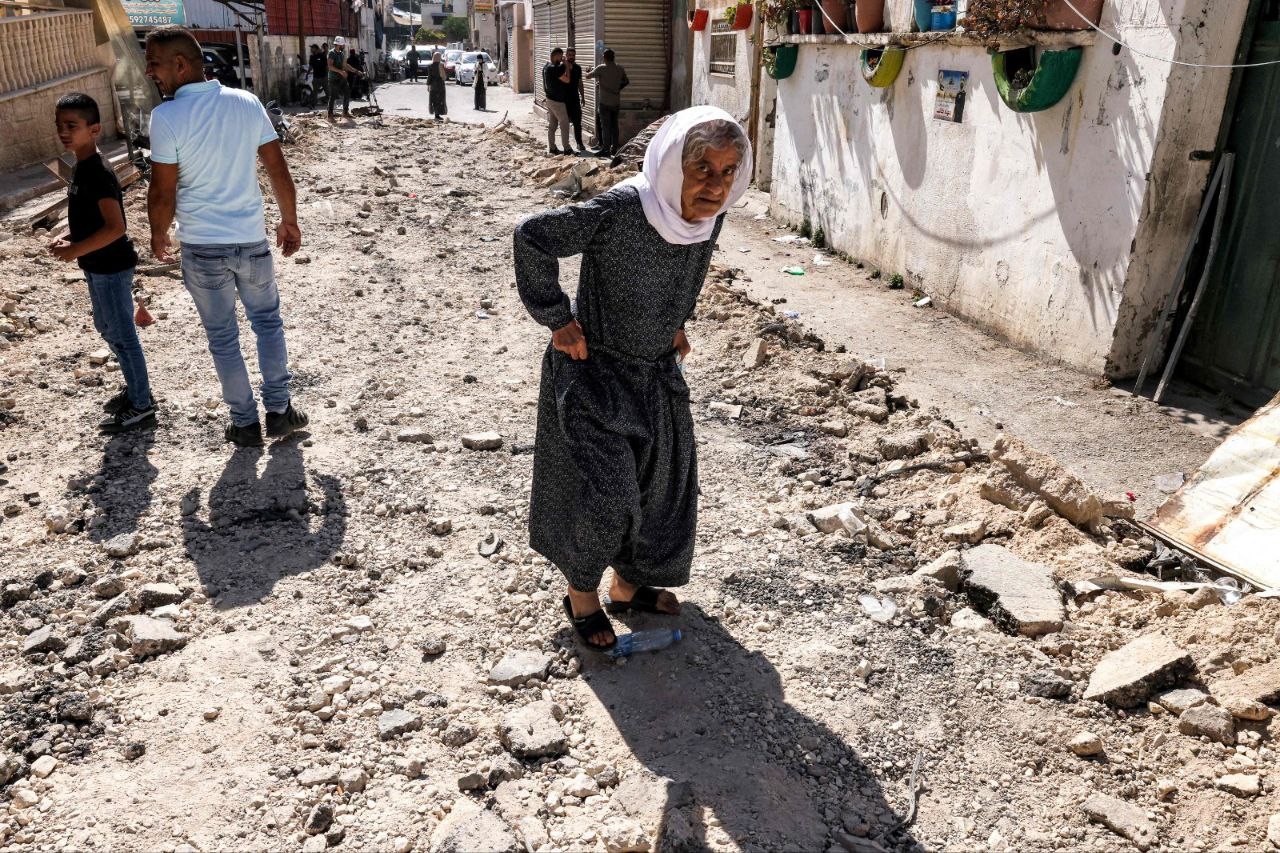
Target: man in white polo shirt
<point x="205" y="145"/>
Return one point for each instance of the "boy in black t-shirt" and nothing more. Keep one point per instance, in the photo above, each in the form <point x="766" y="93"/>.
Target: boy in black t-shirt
<point x="100" y="244"/>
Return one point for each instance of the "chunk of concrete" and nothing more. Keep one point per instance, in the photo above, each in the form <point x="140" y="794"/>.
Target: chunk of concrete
<point x="1042" y="474"/>
<point x="533" y="732"/>
<point x="469" y="828"/>
<point x="945" y="570"/>
<point x="1124" y="819"/>
<point x="1019" y="596"/>
<point x="517" y="667"/>
<point x="1181" y="698"/>
<point x="148" y="636"/>
<point x="757" y="353"/>
<point x="1130" y="674"/>
<point x="1259" y="683"/>
<point x="1210" y="721"/>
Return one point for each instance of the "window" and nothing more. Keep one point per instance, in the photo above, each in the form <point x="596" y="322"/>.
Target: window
<point x="724" y="48"/>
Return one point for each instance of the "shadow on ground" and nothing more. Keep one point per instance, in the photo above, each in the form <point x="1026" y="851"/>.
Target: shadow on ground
<point x="122" y="488"/>
<point x="261" y="528"/>
<point x="712" y="717"/>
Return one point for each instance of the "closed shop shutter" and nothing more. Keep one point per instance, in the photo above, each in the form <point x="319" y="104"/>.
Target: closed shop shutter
<point x="638" y="32"/>
<point x="584" y="42"/>
<point x="541" y="46"/>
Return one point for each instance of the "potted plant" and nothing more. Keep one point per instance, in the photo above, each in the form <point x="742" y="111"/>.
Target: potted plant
<point x="738" y="15"/>
<point x="776" y="14"/>
<point x="989" y="18"/>
<point x="804" y="18"/>
<point x="698" y="19"/>
<point x="780" y="60"/>
<point x="833" y="16"/>
<point x="923" y="14"/>
<point x="870" y="15"/>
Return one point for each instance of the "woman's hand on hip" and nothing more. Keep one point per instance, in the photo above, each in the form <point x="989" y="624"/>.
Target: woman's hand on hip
<point x="681" y="344"/>
<point x="570" y="341"/>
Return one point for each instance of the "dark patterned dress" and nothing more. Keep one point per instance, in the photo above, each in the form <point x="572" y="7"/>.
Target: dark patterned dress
<point x="436" y="94"/>
<point x="615" y="475"/>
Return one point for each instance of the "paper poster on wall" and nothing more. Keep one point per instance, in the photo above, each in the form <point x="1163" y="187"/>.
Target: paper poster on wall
<point x="952" y="90"/>
<point x="154" y="13"/>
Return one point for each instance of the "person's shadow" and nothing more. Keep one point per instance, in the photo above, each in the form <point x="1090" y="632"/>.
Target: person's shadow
<point x="712" y="718"/>
<point x="259" y="529"/>
<point x="121" y="490"/>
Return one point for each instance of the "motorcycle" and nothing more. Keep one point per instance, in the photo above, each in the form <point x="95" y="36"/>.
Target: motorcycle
<point x="279" y="122"/>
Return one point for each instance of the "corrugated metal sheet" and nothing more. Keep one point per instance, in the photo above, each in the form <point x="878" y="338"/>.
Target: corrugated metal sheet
<point x="638" y="31"/>
<point x="210" y="15"/>
<point x="1229" y="511"/>
<point x="584" y="42"/>
<point x="550" y="30"/>
<point x="319" y="17"/>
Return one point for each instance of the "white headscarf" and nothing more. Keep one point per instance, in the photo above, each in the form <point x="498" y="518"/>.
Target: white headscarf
<point x="661" y="181"/>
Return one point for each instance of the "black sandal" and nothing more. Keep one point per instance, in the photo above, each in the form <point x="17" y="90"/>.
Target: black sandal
<point x="589" y="625"/>
<point x="645" y="600"/>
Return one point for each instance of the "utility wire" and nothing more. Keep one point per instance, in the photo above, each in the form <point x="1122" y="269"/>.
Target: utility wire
<point x="1092" y="25"/>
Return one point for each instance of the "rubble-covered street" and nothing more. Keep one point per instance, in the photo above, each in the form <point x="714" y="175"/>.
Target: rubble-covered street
<point x="899" y="635"/>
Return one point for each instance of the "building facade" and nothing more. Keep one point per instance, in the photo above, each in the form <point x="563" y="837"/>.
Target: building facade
<point x="1056" y="226"/>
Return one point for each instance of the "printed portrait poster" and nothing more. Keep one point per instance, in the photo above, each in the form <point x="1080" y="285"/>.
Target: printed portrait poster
<point x="952" y="90"/>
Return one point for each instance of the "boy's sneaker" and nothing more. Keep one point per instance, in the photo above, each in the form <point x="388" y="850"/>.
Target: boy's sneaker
<point x="280" y="424"/>
<point x="245" y="436"/>
<point x="129" y="419"/>
<point x="120" y="402"/>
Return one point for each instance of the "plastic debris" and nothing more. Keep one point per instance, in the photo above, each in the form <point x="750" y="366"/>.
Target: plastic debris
<point x="923" y="303"/>
<point x="821" y="261"/>
<point x="1170" y="483"/>
<point x="793" y="270"/>
<point x="879" y="610"/>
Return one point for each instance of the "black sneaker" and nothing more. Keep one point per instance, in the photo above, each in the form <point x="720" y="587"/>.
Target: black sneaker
<point x="129" y="419"/>
<point x="120" y="402"/>
<point x="245" y="436"/>
<point x="280" y="424"/>
<point x="555" y="152"/>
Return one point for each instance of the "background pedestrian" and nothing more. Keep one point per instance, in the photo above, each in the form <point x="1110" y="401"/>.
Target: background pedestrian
<point x="480" y="82"/>
<point x="555" y="84"/>
<point x="437" y="94"/>
<point x="575" y="97"/>
<point x="611" y="79"/>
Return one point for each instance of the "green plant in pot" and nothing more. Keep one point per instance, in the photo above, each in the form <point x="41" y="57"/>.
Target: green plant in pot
<point x="775" y="13"/>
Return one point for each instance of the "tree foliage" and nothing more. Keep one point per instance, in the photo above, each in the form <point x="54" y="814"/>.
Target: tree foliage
<point x="456" y="29"/>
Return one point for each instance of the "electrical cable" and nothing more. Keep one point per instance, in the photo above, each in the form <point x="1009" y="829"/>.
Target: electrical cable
<point x="1092" y="25"/>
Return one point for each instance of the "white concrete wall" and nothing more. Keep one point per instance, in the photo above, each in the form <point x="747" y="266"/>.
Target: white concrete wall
<point x="731" y="93"/>
<point x="1058" y="230"/>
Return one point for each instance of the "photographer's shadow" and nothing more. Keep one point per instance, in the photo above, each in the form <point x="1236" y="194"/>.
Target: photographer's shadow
<point x="745" y="767"/>
<point x="259" y="529"/>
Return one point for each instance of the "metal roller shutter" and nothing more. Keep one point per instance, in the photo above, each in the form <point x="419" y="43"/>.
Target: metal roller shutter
<point x="584" y="42"/>
<point x="638" y="30"/>
<point x="541" y="47"/>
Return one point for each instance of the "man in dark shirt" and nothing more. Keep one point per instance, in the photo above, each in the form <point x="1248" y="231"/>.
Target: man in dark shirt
<point x="555" y="84"/>
<point x="359" y="84"/>
<point x="576" y="95"/>
<point x="319" y="63"/>
<point x="99" y="242"/>
<point x="412" y="59"/>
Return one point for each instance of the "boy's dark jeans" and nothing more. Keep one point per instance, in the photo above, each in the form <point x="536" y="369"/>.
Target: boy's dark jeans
<point x="339" y="87"/>
<point x="111" y="295"/>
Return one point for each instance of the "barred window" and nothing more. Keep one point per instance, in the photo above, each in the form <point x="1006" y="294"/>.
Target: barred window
<point x="724" y="50"/>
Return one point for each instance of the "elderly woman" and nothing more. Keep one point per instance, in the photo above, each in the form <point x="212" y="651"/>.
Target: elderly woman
<point x="615" y="479"/>
<point x="437" y="95"/>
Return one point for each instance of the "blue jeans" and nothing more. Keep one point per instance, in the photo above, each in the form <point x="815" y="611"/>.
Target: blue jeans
<point x="111" y="295"/>
<point x="213" y="276"/>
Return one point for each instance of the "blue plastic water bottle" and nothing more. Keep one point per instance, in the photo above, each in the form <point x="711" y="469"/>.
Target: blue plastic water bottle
<point x="644" y="641"/>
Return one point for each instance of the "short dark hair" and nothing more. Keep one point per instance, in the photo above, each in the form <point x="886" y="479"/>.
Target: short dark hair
<point x="178" y="39"/>
<point x="555" y="51"/>
<point x="609" y="54"/>
<point x="82" y="105"/>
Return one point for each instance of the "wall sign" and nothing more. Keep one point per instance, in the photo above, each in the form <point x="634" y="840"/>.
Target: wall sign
<point x="952" y="89"/>
<point x="154" y="13"/>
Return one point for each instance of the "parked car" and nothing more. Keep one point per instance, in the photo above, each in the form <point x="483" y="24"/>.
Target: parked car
<point x="228" y="54"/>
<point x="466" y="69"/>
<point x="450" y="61"/>
<point x="216" y="66"/>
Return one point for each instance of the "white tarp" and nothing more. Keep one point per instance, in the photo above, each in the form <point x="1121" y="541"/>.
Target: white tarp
<point x="1229" y="510"/>
<point x="406" y="19"/>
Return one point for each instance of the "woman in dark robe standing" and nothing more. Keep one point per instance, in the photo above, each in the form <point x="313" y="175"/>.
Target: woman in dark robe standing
<point x="615" y="479"/>
<point x="480" y="84"/>
<point x="435" y="87"/>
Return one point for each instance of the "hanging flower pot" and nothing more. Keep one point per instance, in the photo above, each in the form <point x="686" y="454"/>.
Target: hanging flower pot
<point x="698" y="19"/>
<point x="739" y="16"/>
<point x="880" y="67"/>
<point x="780" y="61"/>
<point x="1057" y="15"/>
<point x="1027" y="84"/>
<point x="870" y="15"/>
<point x="833" y="16"/>
<point x="924" y="15"/>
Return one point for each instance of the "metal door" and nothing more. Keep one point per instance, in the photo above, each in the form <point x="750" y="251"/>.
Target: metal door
<point x="1235" y="344"/>
<point x="639" y="33"/>
<point x="584" y="42"/>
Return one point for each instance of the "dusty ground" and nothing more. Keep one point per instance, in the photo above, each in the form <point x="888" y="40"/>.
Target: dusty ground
<point x="318" y="672"/>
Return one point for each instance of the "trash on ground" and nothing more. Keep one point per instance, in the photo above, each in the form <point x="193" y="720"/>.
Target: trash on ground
<point x="923" y="303"/>
<point x="793" y="270"/>
<point x="644" y="641"/>
<point x="878" y="609"/>
<point x="1170" y="483"/>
